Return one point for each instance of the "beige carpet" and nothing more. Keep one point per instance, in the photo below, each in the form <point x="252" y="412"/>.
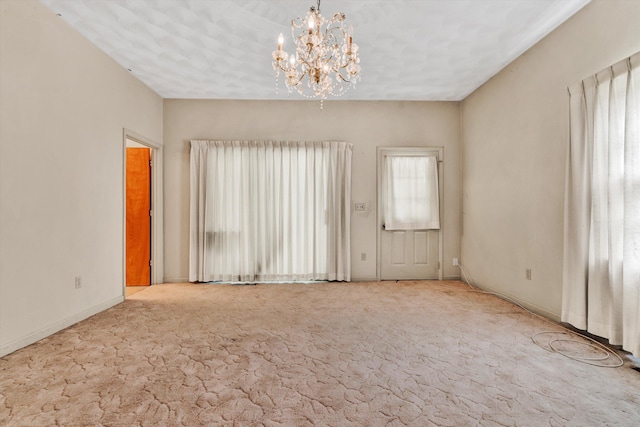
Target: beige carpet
<point x="132" y="290"/>
<point x="327" y="354"/>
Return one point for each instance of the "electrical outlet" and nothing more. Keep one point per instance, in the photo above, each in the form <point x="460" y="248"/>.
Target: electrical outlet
<point x="360" y="207"/>
<point x="528" y="274"/>
<point x="363" y="256"/>
<point x="78" y="282"/>
<point x="455" y="261"/>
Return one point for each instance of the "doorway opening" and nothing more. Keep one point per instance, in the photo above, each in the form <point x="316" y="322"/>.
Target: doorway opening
<point x="142" y="217"/>
<point x="139" y="214"/>
<point x="410" y="248"/>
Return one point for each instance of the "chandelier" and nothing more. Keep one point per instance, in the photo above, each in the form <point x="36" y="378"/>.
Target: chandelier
<point x="325" y="62"/>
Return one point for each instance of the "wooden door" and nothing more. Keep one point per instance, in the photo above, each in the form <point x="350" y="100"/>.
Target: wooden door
<point x="138" y="217"/>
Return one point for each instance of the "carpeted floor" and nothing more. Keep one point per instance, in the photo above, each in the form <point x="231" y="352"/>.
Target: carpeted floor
<point x="326" y="354"/>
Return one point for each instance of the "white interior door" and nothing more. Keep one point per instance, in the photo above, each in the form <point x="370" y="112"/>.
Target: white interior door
<point x="408" y="254"/>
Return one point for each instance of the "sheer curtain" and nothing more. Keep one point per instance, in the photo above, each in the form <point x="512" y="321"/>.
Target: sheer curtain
<point x="601" y="282"/>
<point x="411" y="200"/>
<point x="270" y="211"/>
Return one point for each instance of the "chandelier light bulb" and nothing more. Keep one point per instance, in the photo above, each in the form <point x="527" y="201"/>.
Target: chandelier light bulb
<point x="280" y="41"/>
<point x="312" y="23"/>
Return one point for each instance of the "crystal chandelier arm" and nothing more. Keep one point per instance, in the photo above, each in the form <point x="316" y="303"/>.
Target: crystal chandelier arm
<point x="336" y="20"/>
<point x="295" y="82"/>
<point x="344" y="79"/>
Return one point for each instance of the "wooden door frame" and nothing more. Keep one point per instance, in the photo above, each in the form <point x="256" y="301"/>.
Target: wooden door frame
<point x="381" y="152"/>
<point x="157" y="222"/>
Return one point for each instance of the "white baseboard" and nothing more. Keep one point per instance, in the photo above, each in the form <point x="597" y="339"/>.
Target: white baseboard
<point x="58" y="326"/>
<point x="526" y="304"/>
<point x="353" y="279"/>
<point x="375" y="279"/>
<point x="364" y="279"/>
<point x="176" y="280"/>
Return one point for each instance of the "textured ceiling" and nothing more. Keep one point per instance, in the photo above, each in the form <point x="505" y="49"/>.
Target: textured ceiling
<point x="221" y="49"/>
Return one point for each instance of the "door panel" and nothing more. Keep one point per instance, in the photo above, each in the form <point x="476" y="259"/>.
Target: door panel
<point x="407" y="255"/>
<point x="420" y="248"/>
<point x="138" y="199"/>
<point x="398" y="239"/>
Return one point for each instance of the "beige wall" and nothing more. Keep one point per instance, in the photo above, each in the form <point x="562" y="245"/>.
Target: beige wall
<point x="365" y="124"/>
<point x="515" y="133"/>
<point x="63" y="107"/>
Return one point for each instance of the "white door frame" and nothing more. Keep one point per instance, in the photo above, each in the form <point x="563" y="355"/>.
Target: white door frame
<point x="157" y="222"/>
<point x="381" y="153"/>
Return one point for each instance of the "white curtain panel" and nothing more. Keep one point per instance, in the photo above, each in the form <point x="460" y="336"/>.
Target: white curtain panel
<point x="411" y="200"/>
<point x="601" y="281"/>
<point x="270" y="211"/>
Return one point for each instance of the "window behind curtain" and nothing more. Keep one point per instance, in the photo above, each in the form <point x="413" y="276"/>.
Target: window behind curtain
<point x="411" y="200"/>
<point x="270" y="211"/>
<point x="601" y="282"/>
